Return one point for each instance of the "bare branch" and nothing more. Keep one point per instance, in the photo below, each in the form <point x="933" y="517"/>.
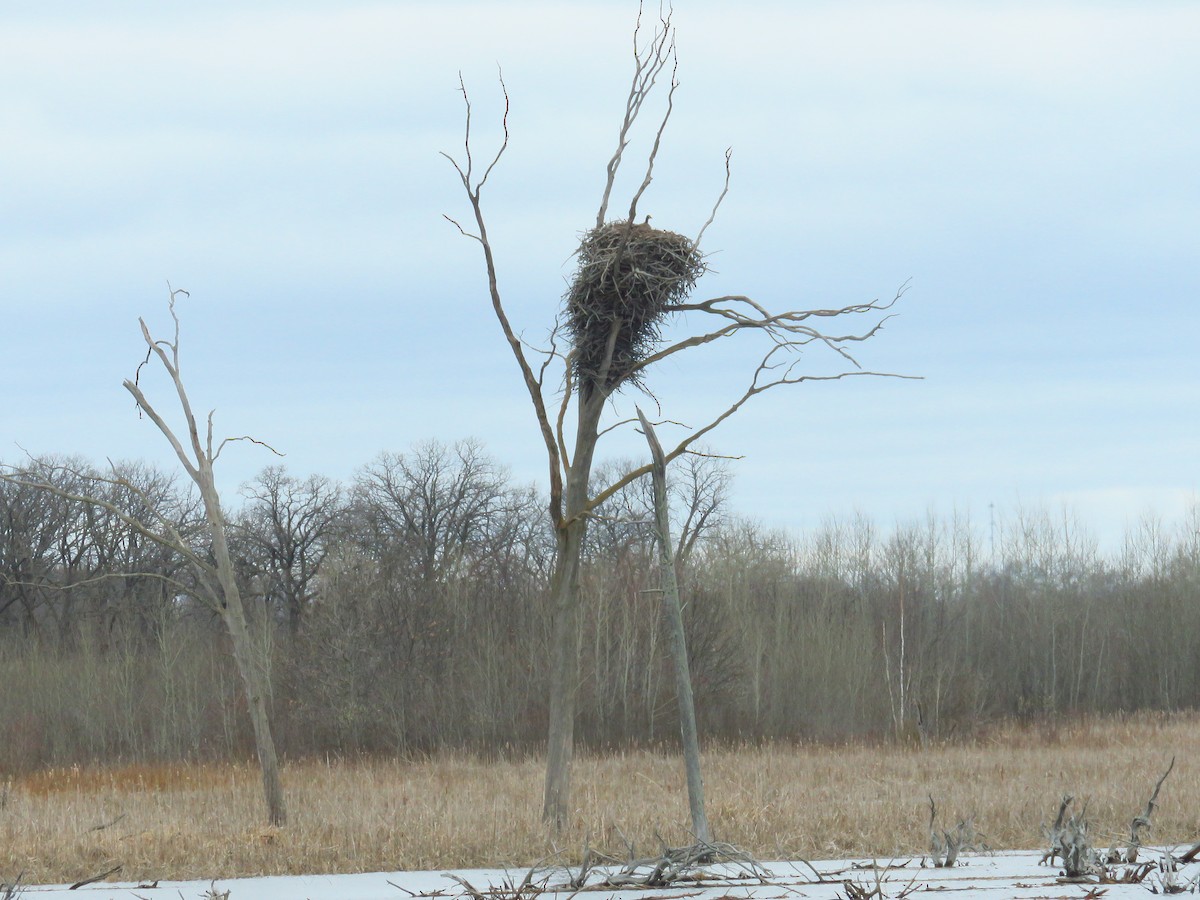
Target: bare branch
<point x="461" y="174"/>
<point x="706" y="455"/>
<point x="788" y="334"/>
<point x="550" y="353"/>
<point x="568" y="390"/>
<point x="632" y="419"/>
<point x="174" y="292"/>
<point x="503" y="124"/>
<point x="455" y="223"/>
<point x="756" y="387"/>
<point x="244" y="437"/>
<point x="94" y="878"/>
<point x="144" y="405"/>
<point x="787" y="329"/>
<point x="724" y="190"/>
<point x="662" y="127"/>
<point x="172" y="367"/>
<point x="466" y="176"/>
<point x="711" y="306"/>
<point x="648" y="63"/>
<point x="170" y="538"/>
<point x="532" y="382"/>
<point x="160" y="346"/>
<point x="95" y="579"/>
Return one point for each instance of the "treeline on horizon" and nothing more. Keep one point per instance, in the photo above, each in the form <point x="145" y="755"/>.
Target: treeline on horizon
<point x="407" y="611"/>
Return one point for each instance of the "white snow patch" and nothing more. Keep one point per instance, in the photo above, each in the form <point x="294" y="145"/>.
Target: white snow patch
<point x="977" y="877"/>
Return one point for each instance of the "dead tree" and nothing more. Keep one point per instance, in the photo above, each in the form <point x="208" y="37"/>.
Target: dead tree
<point x="944" y="846"/>
<point x="673" y="613"/>
<point x="1141" y="822"/>
<point x="1069" y="842"/>
<point x="1054" y="834"/>
<point x="215" y="580"/>
<point x="631" y="280"/>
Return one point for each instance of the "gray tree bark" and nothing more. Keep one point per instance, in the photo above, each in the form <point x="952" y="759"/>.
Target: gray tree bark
<point x="248" y="656"/>
<point x="678" y="641"/>
<point x="564" y="661"/>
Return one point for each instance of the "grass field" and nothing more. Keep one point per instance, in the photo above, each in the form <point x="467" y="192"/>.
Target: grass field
<point x="777" y="801"/>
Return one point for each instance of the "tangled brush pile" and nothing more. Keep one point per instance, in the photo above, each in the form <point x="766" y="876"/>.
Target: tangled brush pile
<point x="629" y="276"/>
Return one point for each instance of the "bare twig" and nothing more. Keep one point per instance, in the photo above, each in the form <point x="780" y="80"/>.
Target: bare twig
<point x="764" y="380"/>
<point x="724" y="190"/>
<point x="244" y="437"/>
<point x="662" y="127"/>
<point x="649" y="61"/>
<point x="630" y="420"/>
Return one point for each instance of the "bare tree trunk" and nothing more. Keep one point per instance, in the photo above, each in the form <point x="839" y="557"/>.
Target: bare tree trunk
<point x="674" y="616"/>
<point x="564" y="677"/>
<point x="564" y="661"/>
<point x="249" y="658"/>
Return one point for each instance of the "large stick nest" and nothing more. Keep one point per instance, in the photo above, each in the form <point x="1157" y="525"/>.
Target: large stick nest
<point x="629" y="276"/>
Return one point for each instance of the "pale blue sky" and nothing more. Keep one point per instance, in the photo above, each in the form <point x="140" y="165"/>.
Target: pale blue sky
<point x="1032" y="167"/>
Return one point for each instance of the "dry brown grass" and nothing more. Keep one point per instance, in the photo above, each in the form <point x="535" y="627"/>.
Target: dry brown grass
<point x="454" y="811"/>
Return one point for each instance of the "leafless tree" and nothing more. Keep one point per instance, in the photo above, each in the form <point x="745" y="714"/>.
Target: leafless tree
<point x="432" y="507"/>
<point x="698" y="496"/>
<point x="286" y="529"/>
<point x="60" y="560"/>
<point x="618" y="350"/>
<point x="135" y="574"/>
<point x="215" y="580"/>
<point x="48" y="550"/>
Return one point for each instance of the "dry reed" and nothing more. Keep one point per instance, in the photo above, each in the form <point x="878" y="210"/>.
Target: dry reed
<point x="808" y="801"/>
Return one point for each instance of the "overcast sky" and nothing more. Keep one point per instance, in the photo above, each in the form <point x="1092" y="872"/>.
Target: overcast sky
<point x="1032" y="167"/>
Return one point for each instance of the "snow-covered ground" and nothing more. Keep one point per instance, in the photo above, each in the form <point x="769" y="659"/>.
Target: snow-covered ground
<point x="977" y="877"/>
